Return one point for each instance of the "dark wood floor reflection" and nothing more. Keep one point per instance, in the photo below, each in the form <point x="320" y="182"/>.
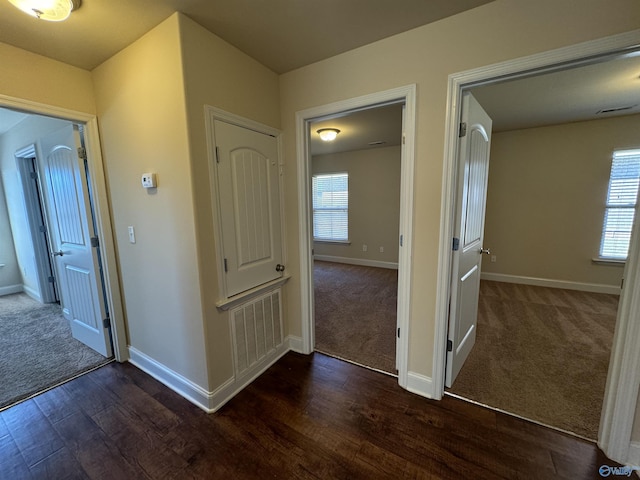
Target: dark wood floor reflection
<point x="306" y="417"/>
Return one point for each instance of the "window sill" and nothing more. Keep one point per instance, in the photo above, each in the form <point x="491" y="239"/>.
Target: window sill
<point x="333" y="242"/>
<point x="609" y="261"/>
<point x="229" y="303"/>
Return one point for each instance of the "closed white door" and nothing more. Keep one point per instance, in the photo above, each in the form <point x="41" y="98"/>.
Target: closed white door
<point x="468" y="248"/>
<point x="71" y="226"/>
<point x="249" y="197"/>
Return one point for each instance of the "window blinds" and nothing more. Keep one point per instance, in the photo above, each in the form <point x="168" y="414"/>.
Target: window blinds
<point x="622" y="199"/>
<point x="331" y="207"/>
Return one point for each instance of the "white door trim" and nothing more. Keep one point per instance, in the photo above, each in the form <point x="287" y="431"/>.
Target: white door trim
<point x="100" y="207"/>
<point x="624" y="371"/>
<point x="407" y="95"/>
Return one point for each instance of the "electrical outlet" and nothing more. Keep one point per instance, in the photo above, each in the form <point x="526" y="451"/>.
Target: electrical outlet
<point x="494" y="259"/>
<point x="364" y="248"/>
<point x="381" y="249"/>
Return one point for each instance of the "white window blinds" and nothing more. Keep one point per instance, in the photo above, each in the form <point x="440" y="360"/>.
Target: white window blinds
<point x="622" y="200"/>
<point x="331" y="207"/>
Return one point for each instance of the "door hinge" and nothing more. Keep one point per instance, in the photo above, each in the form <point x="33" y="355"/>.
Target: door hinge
<point x="33" y="175"/>
<point x="51" y="279"/>
<point x="456" y="244"/>
<point x="95" y="242"/>
<point x="463" y="129"/>
<point x="42" y="228"/>
<point x="82" y="153"/>
<point x="106" y="323"/>
<point x="217" y="155"/>
<point x="449" y="346"/>
<point x="226" y="269"/>
<point x="404" y="139"/>
<point x="401" y="240"/>
<point x="398" y="332"/>
<point x="621" y="283"/>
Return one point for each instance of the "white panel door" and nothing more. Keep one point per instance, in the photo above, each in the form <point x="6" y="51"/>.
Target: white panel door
<point x="69" y="213"/>
<point x="249" y="196"/>
<point x="473" y="174"/>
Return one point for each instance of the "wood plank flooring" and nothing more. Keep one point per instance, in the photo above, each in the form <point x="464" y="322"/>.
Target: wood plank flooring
<point x="309" y="417"/>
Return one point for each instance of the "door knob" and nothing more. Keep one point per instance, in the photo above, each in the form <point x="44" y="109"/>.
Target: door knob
<point x="58" y="253"/>
<point x="279" y="268"/>
<point x="487" y="251"/>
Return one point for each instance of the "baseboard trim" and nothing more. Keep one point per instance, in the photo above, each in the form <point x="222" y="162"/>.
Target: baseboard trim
<point x="209" y="401"/>
<point x="357" y="261"/>
<point x="32" y="293"/>
<point x="546" y="282"/>
<point x="11" y="289"/>
<point x="633" y="458"/>
<point x="181" y="385"/>
<point x="420" y="384"/>
<point x="295" y="344"/>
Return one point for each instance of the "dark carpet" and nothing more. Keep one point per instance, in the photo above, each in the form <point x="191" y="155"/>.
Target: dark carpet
<point x="541" y="353"/>
<point x="355" y="313"/>
<point x="37" y="350"/>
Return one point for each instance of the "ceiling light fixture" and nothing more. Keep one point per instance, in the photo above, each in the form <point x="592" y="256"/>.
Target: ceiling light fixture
<point x="50" y="10"/>
<point x="328" y="134"/>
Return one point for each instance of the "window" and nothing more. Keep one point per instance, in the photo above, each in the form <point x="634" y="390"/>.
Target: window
<point x="622" y="200"/>
<point x="331" y="207"/>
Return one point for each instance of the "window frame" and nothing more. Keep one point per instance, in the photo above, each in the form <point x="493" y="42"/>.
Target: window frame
<point x="604" y="253"/>
<point x="341" y="209"/>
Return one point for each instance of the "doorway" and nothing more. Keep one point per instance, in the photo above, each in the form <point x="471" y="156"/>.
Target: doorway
<point x="549" y="61"/>
<point x="356" y="211"/>
<point x="32" y="269"/>
<point x="405" y="96"/>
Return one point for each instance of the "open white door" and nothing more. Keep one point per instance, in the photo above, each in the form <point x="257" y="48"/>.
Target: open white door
<point x="249" y="195"/>
<point x="473" y="163"/>
<point x="72" y="234"/>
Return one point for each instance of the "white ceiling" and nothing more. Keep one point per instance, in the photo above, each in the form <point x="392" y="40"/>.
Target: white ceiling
<point x="281" y="34"/>
<point x="9" y="119"/>
<point x="571" y="95"/>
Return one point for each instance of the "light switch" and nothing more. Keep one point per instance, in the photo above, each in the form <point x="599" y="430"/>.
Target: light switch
<point x="132" y="235"/>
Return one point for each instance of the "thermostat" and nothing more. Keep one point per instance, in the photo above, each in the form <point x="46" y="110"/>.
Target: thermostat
<point x="149" y="180"/>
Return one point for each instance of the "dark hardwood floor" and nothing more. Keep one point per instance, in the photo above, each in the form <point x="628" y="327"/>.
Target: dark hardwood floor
<point x="306" y="417"/>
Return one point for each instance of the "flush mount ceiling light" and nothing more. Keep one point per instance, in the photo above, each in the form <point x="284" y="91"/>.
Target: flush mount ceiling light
<point x="50" y="10"/>
<point x="328" y="134"/>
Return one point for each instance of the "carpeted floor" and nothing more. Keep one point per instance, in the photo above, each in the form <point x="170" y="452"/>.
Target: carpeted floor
<point x="37" y="350"/>
<point x="541" y="353"/>
<point x="355" y="313"/>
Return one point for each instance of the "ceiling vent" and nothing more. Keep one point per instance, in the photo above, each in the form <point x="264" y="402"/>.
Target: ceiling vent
<point x="615" y="109"/>
<point x="375" y="144"/>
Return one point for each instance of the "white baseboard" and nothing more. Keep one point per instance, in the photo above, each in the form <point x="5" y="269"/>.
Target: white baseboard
<point x="199" y="396"/>
<point x="35" y="294"/>
<point x="11" y="289"/>
<point x="357" y="261"/>
<point x="295" y="344"/>
<point x="420" y="384"/>
<point x="546" y="282"/>
<point x="181" y="385"/>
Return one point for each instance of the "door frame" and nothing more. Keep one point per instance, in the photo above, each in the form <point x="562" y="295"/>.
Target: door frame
<point x="101" y="211"/>
<point x="622" y="387"/>
<point x="406" y="95"/>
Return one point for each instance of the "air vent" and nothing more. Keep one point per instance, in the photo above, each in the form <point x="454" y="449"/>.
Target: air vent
<point x="375" y="144"/>
<point x="615" y="109"/>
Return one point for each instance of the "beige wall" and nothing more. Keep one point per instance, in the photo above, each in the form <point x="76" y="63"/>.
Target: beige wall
<point x="545" y="203"/>
<point x="219" y="75"/>
<point x="28" y="76"/>
<point x="374" y="202"/>
<point x="143" y="124"/>
<point x="425" y="56"/>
